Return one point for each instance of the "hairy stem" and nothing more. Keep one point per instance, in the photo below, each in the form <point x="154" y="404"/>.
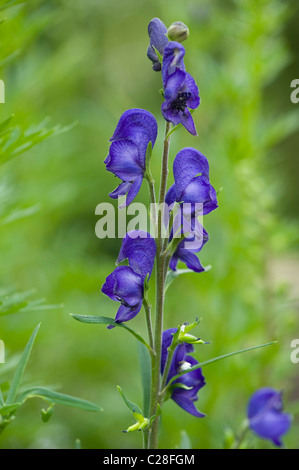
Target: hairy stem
<point x="160" y="295"/>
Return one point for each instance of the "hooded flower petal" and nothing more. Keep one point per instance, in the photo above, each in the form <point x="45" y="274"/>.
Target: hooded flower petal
<point x="123" y="160"/>
<point x="188" y="164"/>
<point x="139" y="126"/>
<point x="157" y="33"/>
<point x="125" y="286"/>
<point x="266" y="417"/>
<point x="126" y="158"/>
<point x="192" y="185"/>
<point x="126" y="283"/>
<point x="140" y="249"/>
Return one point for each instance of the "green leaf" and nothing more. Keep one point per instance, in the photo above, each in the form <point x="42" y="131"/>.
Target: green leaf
<point x="7" y="409"/>
<point x="59" y="398"/>
<point x="93" y="319"/>
<point x="215" y="359"/>
<point x="132" y="406"/>
<point x="18" y="214"/>
<point x="158" y="413"/>
<point x="148" y="156"/>
<point x="14" y="302"/>
<point x="160" y="56"/>
<point x="4" y="124"/>
<point x="21" y="368"/>
<point x="46" y="414"/>
<point x="145" y="369"/>
<point x="172" y="275"/>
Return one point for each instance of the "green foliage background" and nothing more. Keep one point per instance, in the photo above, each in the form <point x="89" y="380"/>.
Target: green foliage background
<point x="80" y="64"/>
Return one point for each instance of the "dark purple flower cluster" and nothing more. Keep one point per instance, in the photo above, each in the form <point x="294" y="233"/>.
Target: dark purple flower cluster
<point x="190" y="383"/>
<point x="126" y="283"/>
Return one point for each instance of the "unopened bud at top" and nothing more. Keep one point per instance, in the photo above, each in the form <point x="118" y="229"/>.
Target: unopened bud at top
<point x="178" y="31"/>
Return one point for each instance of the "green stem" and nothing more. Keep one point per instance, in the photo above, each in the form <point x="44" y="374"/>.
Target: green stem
<point x="171" y="351"/>
<point x="244" y="429"/>
<point x="147" y="309"/>
<point x="151" y="186"/>
<point x="160" y="295"/>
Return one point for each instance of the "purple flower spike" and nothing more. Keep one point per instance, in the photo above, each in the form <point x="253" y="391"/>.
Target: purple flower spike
<point x="194" y="380"/>
<point x="191" y="181"/>
<point x="126" y="158"/>
<point x="180" y="89"/>
<point x="266" y="417"/>
<point x="157" y="33"/>
<point x="126" y="283"/>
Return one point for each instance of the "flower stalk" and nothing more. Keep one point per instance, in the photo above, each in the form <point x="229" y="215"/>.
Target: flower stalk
<point x="160" y="297"/>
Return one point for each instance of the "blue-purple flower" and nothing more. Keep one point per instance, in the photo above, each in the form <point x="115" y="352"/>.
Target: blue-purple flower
<point x="187" y="248"/>
<point x="266" y="417"/>
<point x="181" y="361"/>
<point x="180" y="90"/>
<point x="126" y="283"/>
<point x="158" y="40"/>
<point x="126" y="158"/>
<point x="191" y="182"/>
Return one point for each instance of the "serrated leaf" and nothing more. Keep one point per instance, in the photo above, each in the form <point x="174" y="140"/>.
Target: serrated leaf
<point x="17" y="378"/>
<point x="132" y="406"/>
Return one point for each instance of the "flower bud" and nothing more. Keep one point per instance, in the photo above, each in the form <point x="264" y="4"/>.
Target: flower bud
<point x="141" y="424"/>
<point x="178" y="31"/>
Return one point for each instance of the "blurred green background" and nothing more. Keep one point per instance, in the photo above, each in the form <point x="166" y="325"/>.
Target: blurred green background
<point x="84" y="62"/>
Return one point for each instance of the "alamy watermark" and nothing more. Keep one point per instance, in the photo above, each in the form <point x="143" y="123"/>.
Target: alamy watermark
<point x="176" y="221"/>
<point x="2" y="91"/>
<point x="295" y="94"/>
<point x="295" y="353"/>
